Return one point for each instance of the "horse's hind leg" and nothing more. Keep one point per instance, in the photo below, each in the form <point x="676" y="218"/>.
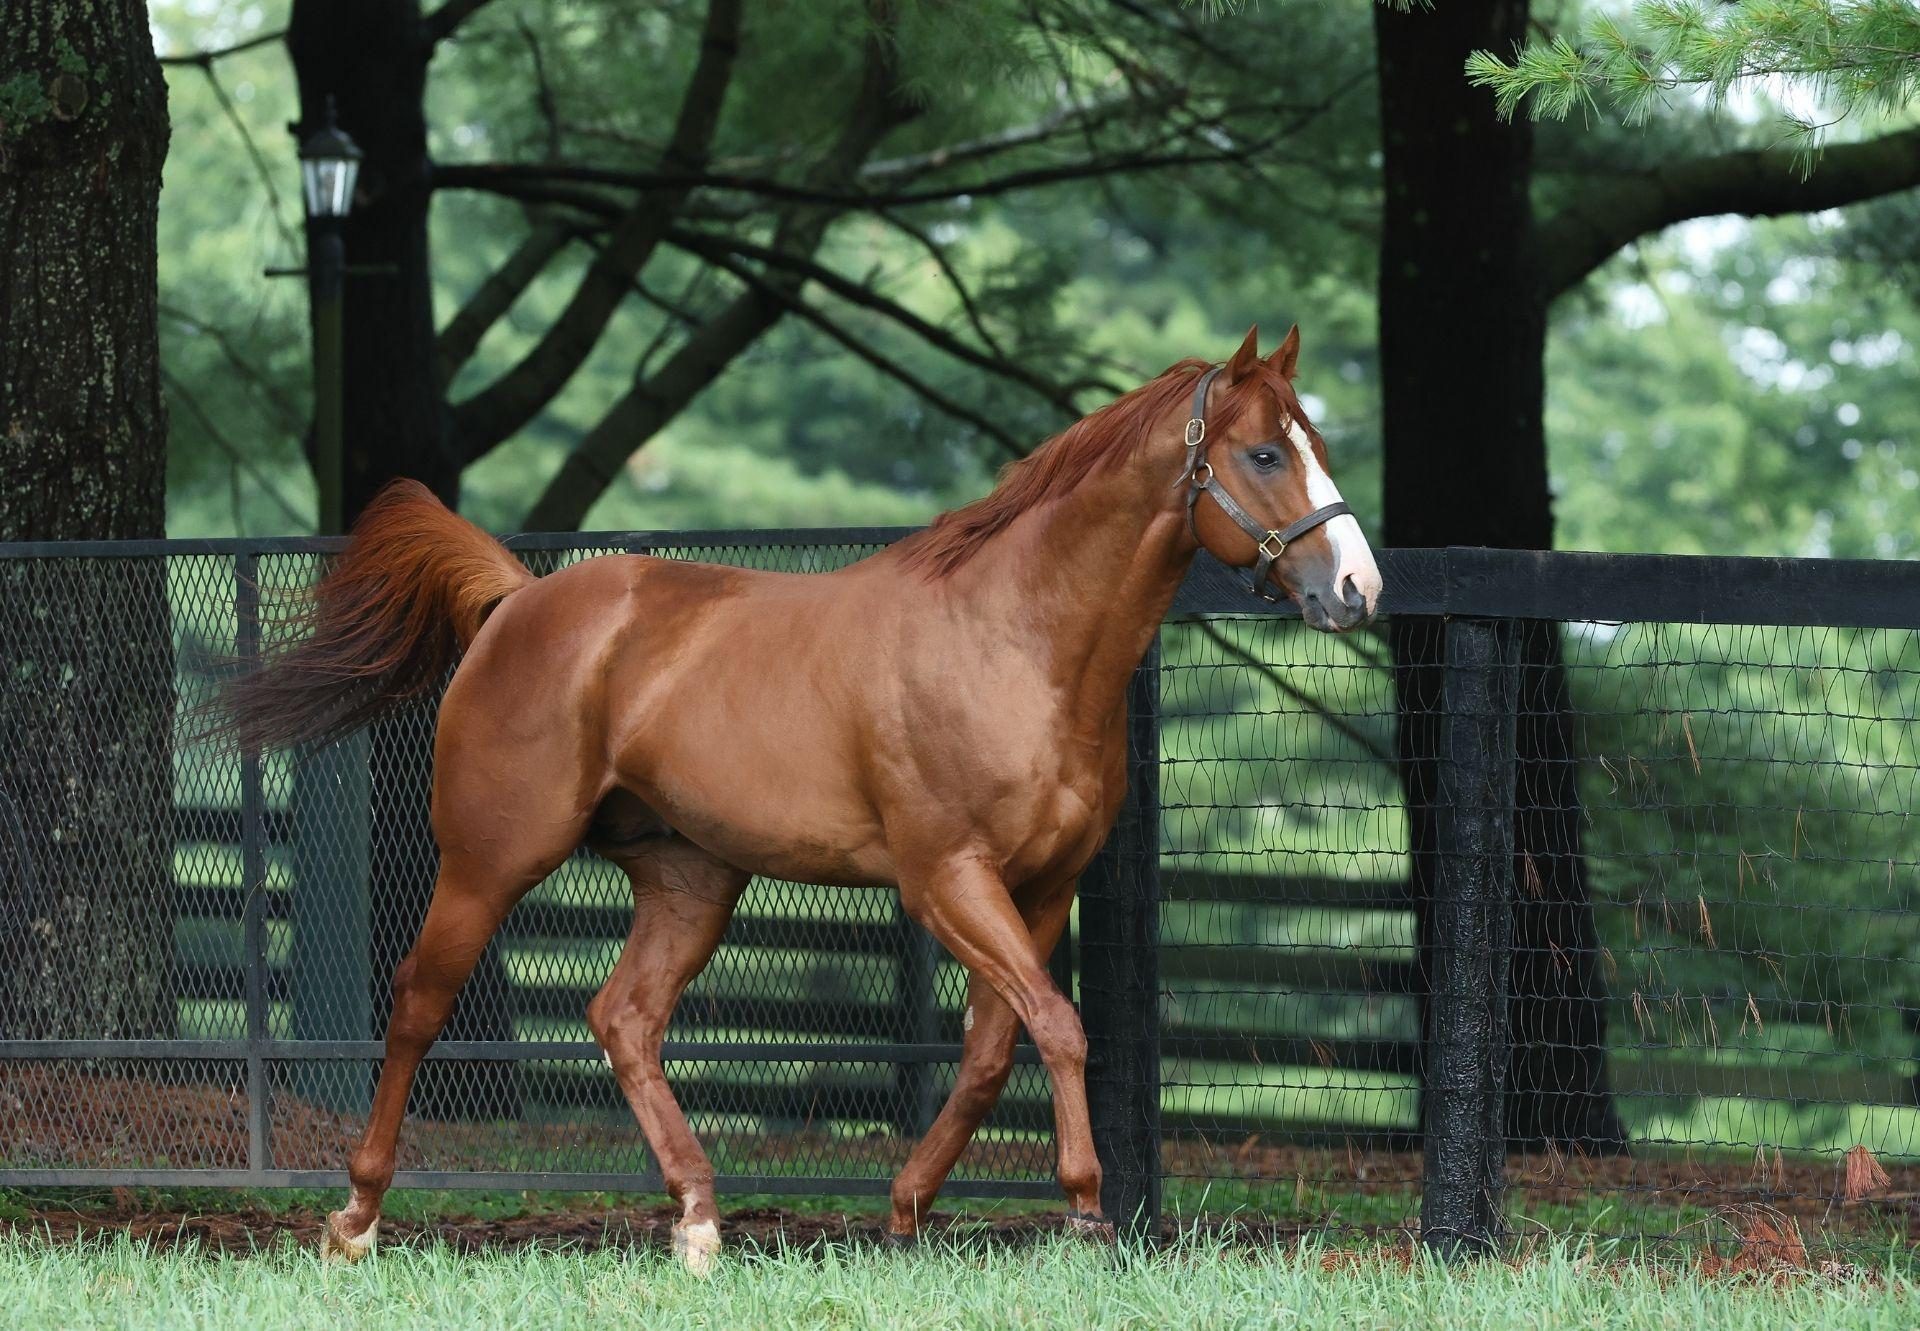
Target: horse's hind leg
<point x="683" y="898"/>
<point x="471" y="896"/>
<point x="986" y="1061"/>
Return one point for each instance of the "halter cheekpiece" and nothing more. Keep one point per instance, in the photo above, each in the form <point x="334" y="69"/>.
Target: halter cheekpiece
<point x="1200" y="479"/>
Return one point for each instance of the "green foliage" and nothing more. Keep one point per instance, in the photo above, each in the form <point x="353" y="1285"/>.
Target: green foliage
<point x="1743" y="389"/>
<point x="1856" y="55"/>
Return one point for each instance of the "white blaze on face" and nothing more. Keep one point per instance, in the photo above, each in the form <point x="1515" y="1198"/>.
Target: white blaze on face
<point x="1352" y="556"/>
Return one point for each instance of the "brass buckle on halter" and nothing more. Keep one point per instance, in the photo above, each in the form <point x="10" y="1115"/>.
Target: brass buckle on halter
<point x="1196" y="432"/>
<point x="1273" y="536"/>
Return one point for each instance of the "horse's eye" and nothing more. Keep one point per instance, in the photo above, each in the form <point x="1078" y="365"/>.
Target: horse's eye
<point x="1265" y="457"/>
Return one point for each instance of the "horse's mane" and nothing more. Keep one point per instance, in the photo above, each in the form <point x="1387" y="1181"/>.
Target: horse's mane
<point x="1108" y="436"/>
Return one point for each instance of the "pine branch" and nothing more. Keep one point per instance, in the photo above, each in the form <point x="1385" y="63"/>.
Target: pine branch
<point x="1603" y="214"/>
<point x="1858" y="53"/>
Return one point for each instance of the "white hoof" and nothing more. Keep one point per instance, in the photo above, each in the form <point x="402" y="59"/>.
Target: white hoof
<point x="697" y="1246"/>
<point x="339" y="1246"/>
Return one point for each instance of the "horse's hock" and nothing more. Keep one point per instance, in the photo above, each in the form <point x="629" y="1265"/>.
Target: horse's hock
<point x="1579" y="852"/>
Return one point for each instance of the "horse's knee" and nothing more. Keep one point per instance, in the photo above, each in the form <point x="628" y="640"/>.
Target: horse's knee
<point x="981" y="1080"/>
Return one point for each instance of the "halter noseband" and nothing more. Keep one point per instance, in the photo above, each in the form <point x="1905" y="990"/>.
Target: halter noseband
<point x="1268" y="545"/>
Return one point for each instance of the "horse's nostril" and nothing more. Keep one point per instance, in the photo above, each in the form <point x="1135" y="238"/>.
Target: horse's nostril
<point x="1350" y="593"/>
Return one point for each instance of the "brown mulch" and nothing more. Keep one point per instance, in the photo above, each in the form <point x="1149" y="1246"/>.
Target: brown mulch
<point x="587" y="1228"/>
<point x="66" y="1115"/>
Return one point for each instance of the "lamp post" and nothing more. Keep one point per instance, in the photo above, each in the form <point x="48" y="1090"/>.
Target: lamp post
<point x="330" y="962"/>
<point x="329" y="165"/>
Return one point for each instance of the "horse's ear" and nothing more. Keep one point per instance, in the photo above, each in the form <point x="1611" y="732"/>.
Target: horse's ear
<point x="1246" y="358"/>
<point x="1286" y="358"/>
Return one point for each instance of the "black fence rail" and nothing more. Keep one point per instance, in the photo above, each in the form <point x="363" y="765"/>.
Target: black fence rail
<point x="1576" y="894"/>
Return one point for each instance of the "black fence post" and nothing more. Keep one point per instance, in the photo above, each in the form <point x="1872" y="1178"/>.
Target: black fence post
<point x="253" y="880"/>
<point x="1120" y="975"/>
<point x="1472" y="922"/>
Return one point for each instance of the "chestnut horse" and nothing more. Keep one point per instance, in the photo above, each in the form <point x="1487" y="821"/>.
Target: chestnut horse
<point x="947" y="717"/>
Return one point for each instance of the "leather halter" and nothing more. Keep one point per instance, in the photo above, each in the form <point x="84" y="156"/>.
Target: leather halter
<point x="1268" y="545"/>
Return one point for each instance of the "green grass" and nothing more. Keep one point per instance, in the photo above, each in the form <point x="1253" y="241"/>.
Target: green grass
<point x="1198" y="1284"/>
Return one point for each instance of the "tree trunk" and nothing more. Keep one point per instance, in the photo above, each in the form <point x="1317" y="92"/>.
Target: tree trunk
<point x="1462" y="347"/>
<point x="371" y="58"/>
<point x="86" y="855"/>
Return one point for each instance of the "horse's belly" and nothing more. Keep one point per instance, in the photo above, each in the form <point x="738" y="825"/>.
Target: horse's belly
<point x="789" y="848"/>
<point x="777" y="813"/>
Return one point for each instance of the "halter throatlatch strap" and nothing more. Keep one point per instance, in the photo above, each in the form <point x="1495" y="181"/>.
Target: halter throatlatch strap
<point x="1268" y="545"/>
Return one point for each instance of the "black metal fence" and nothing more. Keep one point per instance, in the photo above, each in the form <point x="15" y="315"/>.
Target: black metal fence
<point x="1577" y="895"/>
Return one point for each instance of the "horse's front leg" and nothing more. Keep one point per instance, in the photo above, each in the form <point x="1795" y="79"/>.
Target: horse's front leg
<point x="986" y="1061"/>
<point x="966" y="905"/>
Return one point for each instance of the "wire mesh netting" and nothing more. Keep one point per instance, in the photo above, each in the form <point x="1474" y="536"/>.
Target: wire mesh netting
<point x="1715" y="1004"/>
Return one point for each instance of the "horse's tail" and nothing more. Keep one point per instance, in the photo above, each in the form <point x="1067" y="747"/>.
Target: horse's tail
<point x="412" y="589"/>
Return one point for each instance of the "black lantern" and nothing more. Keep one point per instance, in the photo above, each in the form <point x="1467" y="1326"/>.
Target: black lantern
<point x="329" y="164"/>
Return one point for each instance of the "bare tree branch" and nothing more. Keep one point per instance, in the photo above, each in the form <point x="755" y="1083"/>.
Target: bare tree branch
<point x="239" y="461"/>
<point x="494" y="297"/>
<point x="1604" y="213"/>
<point x="879" y="106"/>
<point x="292" y="418"/>
<point x="792" y="303"/>
<point x="543" y="89"/>
<point x="504" y="406"/>
<point x="444" y="21"/>
<point x="205" y="59"/>
<point x="713" y="248"/>
<point x="938" y="252"/>
<point x="254" y="155"/>
<point x="1063" y="119"/>
<point x="511" y="178"/>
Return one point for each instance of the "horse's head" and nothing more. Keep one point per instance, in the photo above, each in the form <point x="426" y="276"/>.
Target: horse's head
<point x="1260" y="496"/>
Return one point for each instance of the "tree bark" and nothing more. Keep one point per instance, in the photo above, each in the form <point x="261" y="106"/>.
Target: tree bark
<point x="371" y="58"/>
<point x="1462" y="345"/>
<point x="86" y="803"/>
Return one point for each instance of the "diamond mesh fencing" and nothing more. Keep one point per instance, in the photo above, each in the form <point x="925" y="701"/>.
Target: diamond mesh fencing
<point x="1706" y="938"/>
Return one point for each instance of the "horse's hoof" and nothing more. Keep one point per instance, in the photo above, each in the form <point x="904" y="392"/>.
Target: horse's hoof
<point x="697" y="1246"/>
<point x="336" y="1245"/>
<point x="901" y="1242"/>
<point x="1090" y="1227"/>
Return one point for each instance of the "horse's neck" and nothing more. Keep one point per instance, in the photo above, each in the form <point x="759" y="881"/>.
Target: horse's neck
<point x="1089" y="578"/>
